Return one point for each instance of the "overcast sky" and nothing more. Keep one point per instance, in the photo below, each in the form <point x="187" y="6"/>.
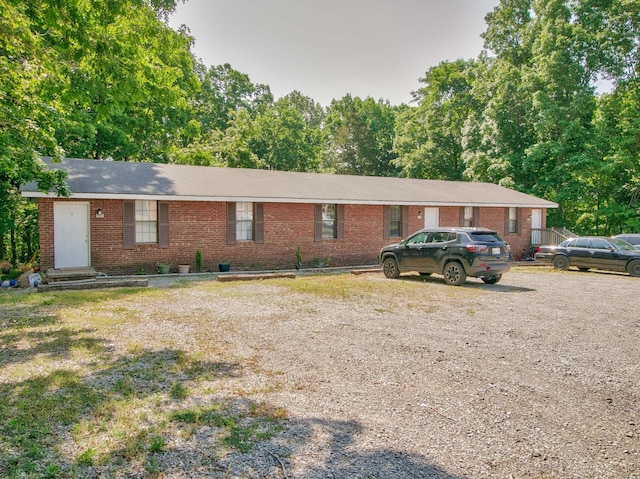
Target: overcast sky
<point x="328" y="48"/>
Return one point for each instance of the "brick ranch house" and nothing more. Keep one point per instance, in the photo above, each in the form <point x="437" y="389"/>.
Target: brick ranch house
<point x="123" y="218"/>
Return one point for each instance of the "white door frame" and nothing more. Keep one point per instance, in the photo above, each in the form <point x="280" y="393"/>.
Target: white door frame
<point x="71" y="229"/>
<point x="431" y="217"/>
<point x="536" y="226"/>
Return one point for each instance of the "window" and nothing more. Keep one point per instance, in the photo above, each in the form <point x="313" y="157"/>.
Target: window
<point x="418" y="238"/>
<point x="146" y="221"/>
<point x="598" y="243"/>
<point x="395" y="220"/>
<point x="512" y="220"/>
<point x="581" y="243"/>
<point x="442" y="237"/>
<point x="467" y="216"/>
<point x="244" y="221"/>
<point x="396" y="223"/>
<point x="328" y="221"/>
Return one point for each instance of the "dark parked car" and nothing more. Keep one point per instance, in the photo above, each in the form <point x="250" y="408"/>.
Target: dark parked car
<point x="454" y="253"/>
<point x="598" y="252"/>
<point x="631" y="238"/>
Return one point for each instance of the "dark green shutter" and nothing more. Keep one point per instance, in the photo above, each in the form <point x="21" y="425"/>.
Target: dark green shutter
<point x="386" y="220"/>
<point x="258" y="220"/>
<point x="405" y="221"/>
<point x="231" y="223"/>
<point x="163" y="224"/>
<point x="340" y="222"/>
<point x="129" y="225"/>
<point x="318" y="223"/>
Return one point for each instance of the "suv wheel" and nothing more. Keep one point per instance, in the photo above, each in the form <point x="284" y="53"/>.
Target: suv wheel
<point x="454" y="274"/>
<point x="390" y="268"/>
<point x="492" y="279"/>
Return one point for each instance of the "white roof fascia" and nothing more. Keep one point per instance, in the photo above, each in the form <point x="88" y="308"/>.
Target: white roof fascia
<point x="111" y="196"/>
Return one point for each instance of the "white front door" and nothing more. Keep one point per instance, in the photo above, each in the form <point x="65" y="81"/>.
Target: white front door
<point x="431" y="217"/>
<point x="536" y="226"/>
<point x="71" y="235"/>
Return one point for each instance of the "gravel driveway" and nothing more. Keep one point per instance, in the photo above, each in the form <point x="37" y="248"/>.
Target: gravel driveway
<point x="537" y="376"/>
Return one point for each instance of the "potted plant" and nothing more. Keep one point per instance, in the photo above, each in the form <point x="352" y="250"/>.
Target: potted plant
<point x="163" y="267"/>
<point x="223" y="267"/>
<point x="183" y="268"/>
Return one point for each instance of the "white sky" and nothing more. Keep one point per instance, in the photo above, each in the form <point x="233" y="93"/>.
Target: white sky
<point x="328" y="48"/>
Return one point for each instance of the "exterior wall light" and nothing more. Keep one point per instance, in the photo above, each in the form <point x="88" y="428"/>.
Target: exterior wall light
<point x="99" y="213"/>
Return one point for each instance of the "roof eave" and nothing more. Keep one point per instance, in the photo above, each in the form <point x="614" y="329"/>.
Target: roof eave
<point x="346" y="201"/>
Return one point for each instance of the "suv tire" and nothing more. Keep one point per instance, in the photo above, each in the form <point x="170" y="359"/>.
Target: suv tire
<point x="454" y="273"/>
<point x="492" y="279"/>
<point x="390" y="268"/>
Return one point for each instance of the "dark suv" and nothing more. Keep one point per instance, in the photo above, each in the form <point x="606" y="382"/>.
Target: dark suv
<point x="454" y="253"/>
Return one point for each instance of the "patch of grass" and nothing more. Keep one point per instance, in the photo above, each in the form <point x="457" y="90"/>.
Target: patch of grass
<point x="242" y="427"/>
<point x="109" y="408"/>
<point x="30" y="411"/>
<point x="335" y="286"/>
<point x="178" y="391"/>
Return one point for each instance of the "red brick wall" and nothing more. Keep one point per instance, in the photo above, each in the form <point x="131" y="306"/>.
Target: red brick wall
<point x="202" y="225"/>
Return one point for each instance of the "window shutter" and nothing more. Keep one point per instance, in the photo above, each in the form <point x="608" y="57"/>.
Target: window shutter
<point x="231" y="223"/>
<point x="259" y="222"/>
<point x="129" y="225"/>
<point x="405" y="221"/>
<point x="318" y="223"/>
<point x="163" y="224"/>
<point x="462" y="216"/>
<point x="340" y="222"/>
<point x="386" y="219"/>
<point x="476" y="216"/>
<point x="506" y="220"/>
<point x="518" y="220"/>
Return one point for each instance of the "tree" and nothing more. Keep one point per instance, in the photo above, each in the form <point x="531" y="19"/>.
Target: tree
<point x="360" y="137"/>
<point x="537" y="126"/>
<point x="429" y="136"/>
<point x="84" y="77"/>
<point x="129" y="85"/>
<point x="286" y="138"/>
<point x="224" y="91"/>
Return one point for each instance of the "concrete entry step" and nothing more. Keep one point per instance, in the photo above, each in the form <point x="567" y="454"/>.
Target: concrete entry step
<point x="70" y="274"/>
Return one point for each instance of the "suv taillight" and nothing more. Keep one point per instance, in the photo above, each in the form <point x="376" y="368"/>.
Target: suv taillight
<point x="476" y="248"/>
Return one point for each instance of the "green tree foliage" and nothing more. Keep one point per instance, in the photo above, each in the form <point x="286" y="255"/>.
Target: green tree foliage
<point x="224" y="91"/>
<point x="287" y="136"/>
<point x="93" y="79"/>
<point x="429" y="136"/>
<point x="618" y="126"/>
<point x="536" y="128"/>
<point x="360" y="137"/>
<point x="130" y="79"/>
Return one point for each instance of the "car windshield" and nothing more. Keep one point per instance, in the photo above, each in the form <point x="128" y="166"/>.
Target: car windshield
<point x="485" y="237"/>
<point x="620" y="244"/>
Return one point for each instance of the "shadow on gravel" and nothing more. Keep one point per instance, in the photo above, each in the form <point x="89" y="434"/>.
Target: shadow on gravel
<point x="339" y="460"/>
<point x="472" y="283"/>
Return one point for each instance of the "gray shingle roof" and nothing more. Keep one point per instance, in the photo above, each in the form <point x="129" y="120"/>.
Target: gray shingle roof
<point x="116" y="179"/>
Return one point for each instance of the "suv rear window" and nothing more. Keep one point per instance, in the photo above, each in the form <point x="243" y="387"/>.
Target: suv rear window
<point x="486" y="237"/>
